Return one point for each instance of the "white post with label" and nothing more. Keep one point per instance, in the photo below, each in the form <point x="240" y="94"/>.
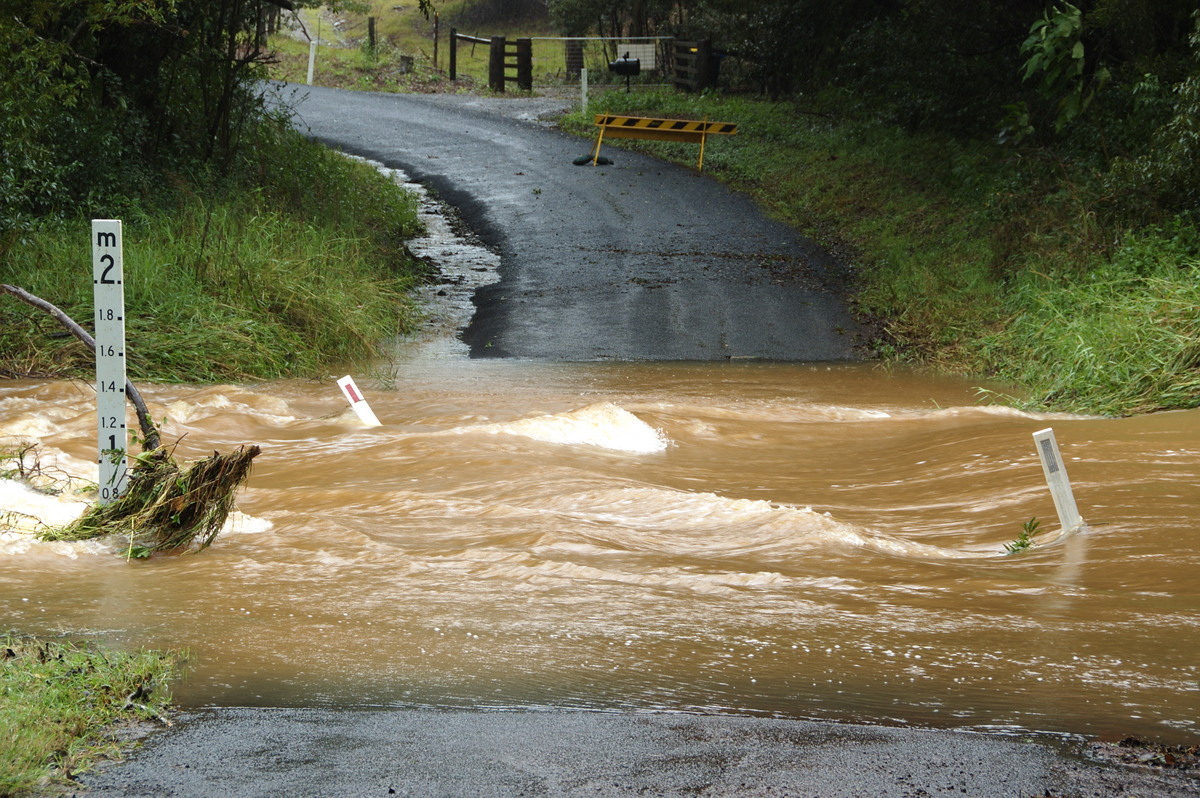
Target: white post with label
<point x="1056" y="477"/>
<point x="357" y="403"/>
<point x="108" y="286"/>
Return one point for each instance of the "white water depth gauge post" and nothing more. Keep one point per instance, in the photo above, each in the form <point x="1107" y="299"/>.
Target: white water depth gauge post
<point x="357" y="403"/>
<point x="1056" y="477"/>
<point x="108" y="286"/>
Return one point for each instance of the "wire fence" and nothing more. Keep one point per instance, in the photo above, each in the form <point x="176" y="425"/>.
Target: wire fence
<point x="559" y="61"/>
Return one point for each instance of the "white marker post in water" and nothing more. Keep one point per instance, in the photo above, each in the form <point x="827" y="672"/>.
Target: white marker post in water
<point x="108" y="290"/>
<point x="1056" y="477"/>
<point x="357" y="402"/>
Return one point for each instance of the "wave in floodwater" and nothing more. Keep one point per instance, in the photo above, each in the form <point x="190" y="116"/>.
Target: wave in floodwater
<point x="635" y="517"/>
<point x="604" y="425"/>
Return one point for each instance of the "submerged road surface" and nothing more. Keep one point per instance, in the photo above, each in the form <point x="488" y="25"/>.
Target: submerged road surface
<point x="638" y="260"/>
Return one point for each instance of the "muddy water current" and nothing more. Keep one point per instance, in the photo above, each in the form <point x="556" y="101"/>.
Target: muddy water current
<point x="806" y="541"/>
<point x="796" y="540"/>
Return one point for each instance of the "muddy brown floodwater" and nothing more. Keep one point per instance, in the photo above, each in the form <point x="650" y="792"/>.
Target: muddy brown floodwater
<point x="796" y="540"/>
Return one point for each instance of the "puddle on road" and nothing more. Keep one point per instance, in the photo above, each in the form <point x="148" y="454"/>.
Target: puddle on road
<point x="463" y="265"/>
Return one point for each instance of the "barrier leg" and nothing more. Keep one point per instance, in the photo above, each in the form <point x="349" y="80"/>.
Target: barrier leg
<point x="599" y="140"/>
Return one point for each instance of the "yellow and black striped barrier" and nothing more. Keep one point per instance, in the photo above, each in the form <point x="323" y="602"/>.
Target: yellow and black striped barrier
<point x="641" y="127"/>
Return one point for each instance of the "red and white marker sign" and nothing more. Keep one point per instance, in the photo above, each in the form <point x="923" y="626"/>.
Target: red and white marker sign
<point x="357" y="403"/>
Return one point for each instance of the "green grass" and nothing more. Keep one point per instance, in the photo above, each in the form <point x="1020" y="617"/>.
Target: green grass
<point x="975" y="258"/>
<point x="59" y="701"/>
<point x="1124" y="338"/>
<point x="1024" y="538"/>
<point x="299" y="275"/>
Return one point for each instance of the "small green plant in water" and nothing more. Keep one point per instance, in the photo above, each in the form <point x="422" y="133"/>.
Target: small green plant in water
<point x="1025" y="538"/>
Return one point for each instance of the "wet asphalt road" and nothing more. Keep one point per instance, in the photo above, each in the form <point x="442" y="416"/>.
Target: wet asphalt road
<point x="639" y="260"/>
<point x="420" y="752"/>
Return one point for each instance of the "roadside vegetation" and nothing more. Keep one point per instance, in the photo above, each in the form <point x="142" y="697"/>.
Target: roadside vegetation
<point x="971" y="260"/>
<point x="293" y="266"/>
<point x="62" y="704"/>
<point x="250" y="251"/>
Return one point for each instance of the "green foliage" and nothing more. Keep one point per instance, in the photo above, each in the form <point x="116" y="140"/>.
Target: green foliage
<point x="58" y="698"/>
<point x="92" y="95"/>
<point x="1122" y="338"/>
<point x="1054" y="54"/>
<point x="295" y="268"/>
<point x="1165" y="179"/>
<point x="1025" y="537"/>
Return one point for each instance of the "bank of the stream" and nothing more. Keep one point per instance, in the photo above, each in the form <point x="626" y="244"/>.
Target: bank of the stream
<point x="62" y="702"/>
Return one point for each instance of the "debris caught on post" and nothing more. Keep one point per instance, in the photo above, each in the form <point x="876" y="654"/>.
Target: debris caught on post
<point x="167" y="507"/>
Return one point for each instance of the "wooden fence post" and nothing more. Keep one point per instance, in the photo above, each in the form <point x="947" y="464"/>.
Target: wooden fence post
<point x="496" y="64"/>
<point x="703" y="64"/>
<point x="525" y="64"/>
<point x="454" y="54"/>
<point x="692" y="63"/>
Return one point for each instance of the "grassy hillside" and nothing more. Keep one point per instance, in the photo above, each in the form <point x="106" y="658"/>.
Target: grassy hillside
<point x="294" y="267"/>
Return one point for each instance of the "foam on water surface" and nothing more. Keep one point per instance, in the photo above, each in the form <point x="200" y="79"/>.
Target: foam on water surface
<point x="604" y="425"/>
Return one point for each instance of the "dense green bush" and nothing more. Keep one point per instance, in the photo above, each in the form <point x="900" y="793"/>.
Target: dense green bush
<point x="96" y="97"/>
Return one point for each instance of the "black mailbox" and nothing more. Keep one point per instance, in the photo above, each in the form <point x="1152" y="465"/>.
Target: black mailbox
<point x="626" y="67"/>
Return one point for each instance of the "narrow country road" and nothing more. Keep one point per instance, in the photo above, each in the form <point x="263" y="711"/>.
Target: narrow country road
<point x="639" y="260"/>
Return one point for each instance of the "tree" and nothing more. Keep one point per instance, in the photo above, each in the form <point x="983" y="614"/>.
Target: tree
<point x="96" y="91"/>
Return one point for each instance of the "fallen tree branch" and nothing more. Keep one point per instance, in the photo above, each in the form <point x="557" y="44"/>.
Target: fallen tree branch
<point x="149" y="431"/>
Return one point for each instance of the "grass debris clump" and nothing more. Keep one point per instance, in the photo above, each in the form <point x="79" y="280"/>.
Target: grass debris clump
<point x="166" y="507"/>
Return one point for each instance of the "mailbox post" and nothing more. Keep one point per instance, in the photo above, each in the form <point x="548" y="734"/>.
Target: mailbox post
<point x="626" y="67"/>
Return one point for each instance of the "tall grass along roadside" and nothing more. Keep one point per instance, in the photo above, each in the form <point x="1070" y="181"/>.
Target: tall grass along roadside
<point x="294" y="267"/>
<point x="59" y="701"/>
<point x="972" y="258"/>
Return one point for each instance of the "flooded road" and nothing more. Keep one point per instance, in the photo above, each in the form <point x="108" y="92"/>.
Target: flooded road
<point x="797" y="540"/>
<point x="805" y="541"/>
